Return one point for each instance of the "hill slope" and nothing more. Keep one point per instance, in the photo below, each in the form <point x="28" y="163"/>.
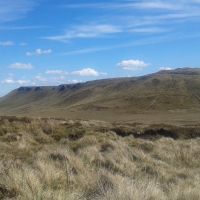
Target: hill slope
<point x="160" y="92"/>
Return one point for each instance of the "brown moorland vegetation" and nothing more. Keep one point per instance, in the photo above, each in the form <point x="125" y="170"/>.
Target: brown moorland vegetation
<point x="55" y="159"/>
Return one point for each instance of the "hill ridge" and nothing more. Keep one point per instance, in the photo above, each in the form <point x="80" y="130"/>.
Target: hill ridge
<point x="180" y="71"/>
<point x="163" y="91"/>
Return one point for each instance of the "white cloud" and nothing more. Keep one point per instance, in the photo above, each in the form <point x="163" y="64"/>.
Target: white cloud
<point x="86" y="72"/>
<point x="17" y="65"/>
<point x="56" y="72"/>
<point x="166" y="68"/>
<point x="86" y="31"/>
<point x="6" y="43"/>
<point x="39" y="52"/>
<point x="18" y="82"/>
<point x="23" y="82"/>
<point x="74" y="81"/>
<point x="132" y="65"/>
<point x="8" y="81"/>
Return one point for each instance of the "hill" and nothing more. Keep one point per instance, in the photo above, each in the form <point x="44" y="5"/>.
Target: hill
<point x="173" y="91"/>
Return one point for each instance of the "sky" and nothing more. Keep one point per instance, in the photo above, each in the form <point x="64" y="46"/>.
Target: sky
<point x="51" y="42"/>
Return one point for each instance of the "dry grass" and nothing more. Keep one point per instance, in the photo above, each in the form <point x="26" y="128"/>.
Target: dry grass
<point x="71" y="160"/>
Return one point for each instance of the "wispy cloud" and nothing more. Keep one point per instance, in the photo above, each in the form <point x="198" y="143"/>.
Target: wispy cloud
<point x="148" y="30"/>
<point x="39" y="52"/>
<point x="23" y="44"/>
<point x="140" y="42"/>
<point x="156" y="4"/>
<point x="25" y="66"/>
<point x="143" y="5"/>
<point x="7" y="43"/>
<point x="126" y="5"/>
<point x="22" y="28"/>
<point x="146" y="12"/>
<point x="56" y="72"/>
<point x="86" y="31"/>
<point x="88" y="50"/>
<point x="136" y="17"/>
<point x="12" y="10"/>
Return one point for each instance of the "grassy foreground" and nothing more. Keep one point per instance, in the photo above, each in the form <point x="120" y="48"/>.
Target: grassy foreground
<point x="70" y="160"/>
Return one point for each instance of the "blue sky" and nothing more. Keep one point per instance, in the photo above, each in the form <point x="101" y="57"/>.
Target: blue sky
<point x="51" y="42"/>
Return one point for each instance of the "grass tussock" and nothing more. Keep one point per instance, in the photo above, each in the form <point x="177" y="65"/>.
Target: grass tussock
<point x="70" y="160"/>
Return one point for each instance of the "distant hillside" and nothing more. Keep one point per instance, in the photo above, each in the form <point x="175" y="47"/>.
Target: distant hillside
<point x="159" y="92"/>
